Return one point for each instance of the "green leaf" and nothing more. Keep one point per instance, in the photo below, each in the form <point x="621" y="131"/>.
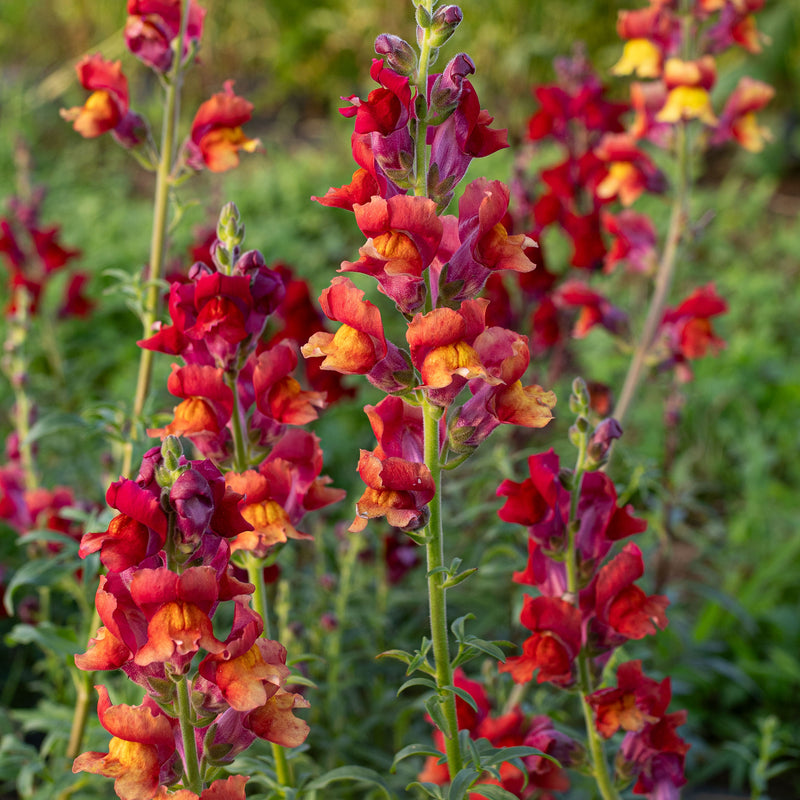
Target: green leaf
<point x="461" y="783"/>
<point x="433" y="706"/>
<point x="463" y="694"/>
<point x="430" y="789"/>
<point x="60" y="641"/>
<point x="457" y="626"/>
<point x="400" y="655"/>
<point x="493" y="792"/>
<point x="454" y="580"/>
<point x="426" y="682"/>
<point x="490" y="648"/>
<point x="415" y="750"/>
<point x="55" y="423"/>
<point x="350" y="773"/>
<point x="38" y="572"/>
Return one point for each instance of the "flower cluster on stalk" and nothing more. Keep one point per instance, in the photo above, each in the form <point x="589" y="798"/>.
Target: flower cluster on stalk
<point x="152" y="31"/>
<point x="414" y="137"/>
<point x="590" y="193"/>
<point x="588" y="605"/>
<point x="167" y="553"/>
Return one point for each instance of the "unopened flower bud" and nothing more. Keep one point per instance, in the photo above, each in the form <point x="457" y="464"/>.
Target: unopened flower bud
<point x="170" y="468"/>
<point x="602" y="439"/>
<point x="444" y="23"/>
<point x="580" y="392"/>
<point x="400" y="56"/>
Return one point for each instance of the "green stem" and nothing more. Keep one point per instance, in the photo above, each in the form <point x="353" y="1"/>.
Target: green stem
<point x="158" y="238"/>
<point x="664" y="277"/>
<point x="255" y="574"/>
<point x="241" y="459"/>
<point x="437" y="600"/>
<point x="600" y="769"/>
<point x="192" y="781"/>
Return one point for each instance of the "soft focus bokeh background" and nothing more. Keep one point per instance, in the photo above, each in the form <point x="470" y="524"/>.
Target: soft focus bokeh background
<point x="725" y="521"/>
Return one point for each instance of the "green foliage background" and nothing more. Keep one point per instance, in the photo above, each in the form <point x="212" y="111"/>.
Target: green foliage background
<point x="723" y="522"/>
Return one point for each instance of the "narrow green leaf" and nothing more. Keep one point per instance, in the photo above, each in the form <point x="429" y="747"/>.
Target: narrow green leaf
<point x="434" y="707"/>
<point x="454" y="580"/>
<point x="430" y="789"/>
<point x="400" y="655"/>
<point x="60" y="641"/>
<point x="415" y="750"/>
<point x="462" y="782"/>
<point x="502" y="754"/>
<point x="464" y="695"/>
<point x="350" y="773"/>
<point x="426" y="682"/>
<point x="493" y="792"/>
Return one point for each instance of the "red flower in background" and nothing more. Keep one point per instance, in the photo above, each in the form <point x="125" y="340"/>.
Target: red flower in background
<point x="153" y="25"/>
<point x="107" y="109"/>
<point x="217" y="136"/>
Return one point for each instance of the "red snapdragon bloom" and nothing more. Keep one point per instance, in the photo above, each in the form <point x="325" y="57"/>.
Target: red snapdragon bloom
<point x="286" y="485"/>
<point x="633" y="243"/>
<point x="686" y="331"/>
<point x="622" y="610"/>
<point x="630" y="171"/>
<point x="442" y="350"/>
<point x="636" y="702"/>
<point x="153" y="25"/>
<point x="386" y="109"/>
<point x="484" y="243"/>
<point x="403" y="237"/>
<point x="215" y="316"/>
<point x="688" y="84"/>
<point x="217" y="137"/>
<point x="738" y="117"/>
<point x="107" y="108"/>
<point x="359" y="344"/>
<point x="32" y="253"/>
<point x="594" y="309"/>
<point x="141" y="750"/>
<point x="396" y="489"/>
<point x="505" y="355"/>
<point x="554" y="645"/>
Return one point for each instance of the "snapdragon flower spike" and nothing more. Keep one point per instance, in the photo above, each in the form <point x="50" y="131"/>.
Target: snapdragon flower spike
<point x="108" y="107"/>
<point x="217" y="136"/>
<point x="152" y="27"/>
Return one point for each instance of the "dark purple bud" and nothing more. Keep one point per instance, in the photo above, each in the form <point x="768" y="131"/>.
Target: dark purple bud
<point x="444" y="23"/>
<point x="447" y="87"/>
<point x="193" y="501"/>
<point x="400" y="56"/>
<point x="601" y="440"/>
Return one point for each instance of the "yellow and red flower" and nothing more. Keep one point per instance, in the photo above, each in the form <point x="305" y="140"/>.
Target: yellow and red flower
<point x="217" y="136"/>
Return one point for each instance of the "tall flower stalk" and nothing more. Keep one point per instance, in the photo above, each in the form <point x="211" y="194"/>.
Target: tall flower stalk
<point x="414" y="138"/>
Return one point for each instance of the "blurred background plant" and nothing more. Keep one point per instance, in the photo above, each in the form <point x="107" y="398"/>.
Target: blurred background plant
<point x="725" y="516"/>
